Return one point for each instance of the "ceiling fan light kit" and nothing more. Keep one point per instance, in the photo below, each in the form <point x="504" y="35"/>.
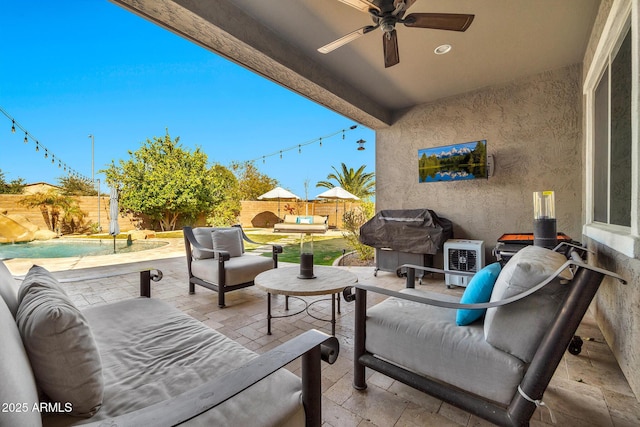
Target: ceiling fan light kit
<point x="387" y="13"/>
<point x="442" y="49"/>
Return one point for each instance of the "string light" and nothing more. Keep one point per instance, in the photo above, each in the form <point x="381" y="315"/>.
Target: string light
<point x="27" y="135"/>
<point x="299" y="146"/>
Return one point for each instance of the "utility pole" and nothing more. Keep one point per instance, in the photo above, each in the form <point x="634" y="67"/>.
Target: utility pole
<point x="93" y="179"/>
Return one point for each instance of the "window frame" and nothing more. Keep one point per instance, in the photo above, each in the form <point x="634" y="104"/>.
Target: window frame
<point x="624" y="14"/>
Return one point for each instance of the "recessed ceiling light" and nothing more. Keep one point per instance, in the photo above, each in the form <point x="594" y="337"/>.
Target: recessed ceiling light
<point x="442" y="49"/>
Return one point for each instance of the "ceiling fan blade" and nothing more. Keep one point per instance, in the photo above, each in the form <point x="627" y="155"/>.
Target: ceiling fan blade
<point x="439" y="21"/>
<point x="390" y="44"/>
<point x="362" y="5"/>
<point x="346" y="39"/>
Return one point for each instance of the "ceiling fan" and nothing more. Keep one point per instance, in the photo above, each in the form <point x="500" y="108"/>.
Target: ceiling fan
<point x="386" y="14"/>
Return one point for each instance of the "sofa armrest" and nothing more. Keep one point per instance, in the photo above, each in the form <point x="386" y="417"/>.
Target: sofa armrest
<point x="311" y="345"/>
<point x="147" y="273"/>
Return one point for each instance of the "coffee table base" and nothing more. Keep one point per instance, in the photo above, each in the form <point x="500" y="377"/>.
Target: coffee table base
<point x="307" y="305"/>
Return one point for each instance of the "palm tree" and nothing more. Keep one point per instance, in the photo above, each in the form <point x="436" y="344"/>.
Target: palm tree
<point x="356" y="182"/>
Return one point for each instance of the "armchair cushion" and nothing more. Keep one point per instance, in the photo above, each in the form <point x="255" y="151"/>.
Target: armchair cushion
<point x="518" y="328"/>
<point x="478" y="291"/>
<point x="60" y="345"/>
<point x="426" y="340"/>
<point x="203" y="236"/>
<point x="227" y="239"/>
<point x="238" y="270"/>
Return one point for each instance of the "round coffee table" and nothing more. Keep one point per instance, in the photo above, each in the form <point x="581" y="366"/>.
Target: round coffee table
<point x="285" y="281"/>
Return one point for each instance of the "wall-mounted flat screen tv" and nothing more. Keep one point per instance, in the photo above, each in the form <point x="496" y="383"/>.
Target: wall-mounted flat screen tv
<point x="453" y="162"/>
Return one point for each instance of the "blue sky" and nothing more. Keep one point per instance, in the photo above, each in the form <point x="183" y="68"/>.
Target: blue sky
<point x="73" y="68"/>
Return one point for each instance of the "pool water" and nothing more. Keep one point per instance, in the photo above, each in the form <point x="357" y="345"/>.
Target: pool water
<point x="63" y="248"/>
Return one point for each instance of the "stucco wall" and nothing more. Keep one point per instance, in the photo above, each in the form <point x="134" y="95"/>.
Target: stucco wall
<point x="617" y="307"/>
<point x="532" y="126"/>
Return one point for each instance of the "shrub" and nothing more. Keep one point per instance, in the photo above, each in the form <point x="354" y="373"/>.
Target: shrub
<point x="352" y="221"/>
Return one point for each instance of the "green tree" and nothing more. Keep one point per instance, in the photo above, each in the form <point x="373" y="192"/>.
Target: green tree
<point x="72" y="186"/>
<point x="226" y="203"/>
<point x="14" y="187"/>
<point x="165" y="182"/>
<point x="251" y="182"/>
<point x="60" y="212"/>
<point x="357" y="182"/>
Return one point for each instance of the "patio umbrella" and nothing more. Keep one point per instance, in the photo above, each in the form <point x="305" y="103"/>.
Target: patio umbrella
<point x="114" y="227"/>
<point x="278" y="193"/>
<point x="337" y="193"/>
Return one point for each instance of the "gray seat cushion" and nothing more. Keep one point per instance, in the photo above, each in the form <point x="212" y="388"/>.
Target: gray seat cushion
<point x="426" y="340"/>
<point x="238" y="270"/>
<point x="151" y="351"/>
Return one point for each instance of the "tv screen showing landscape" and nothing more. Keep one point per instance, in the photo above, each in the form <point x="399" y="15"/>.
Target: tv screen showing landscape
<point x="453" y="162"/>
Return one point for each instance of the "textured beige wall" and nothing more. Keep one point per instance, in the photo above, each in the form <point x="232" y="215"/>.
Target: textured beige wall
<point x="532" y="126"/>
<point x="617" y="307"/>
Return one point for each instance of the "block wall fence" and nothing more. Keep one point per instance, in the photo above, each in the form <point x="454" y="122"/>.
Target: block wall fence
<point x="253" y="213"/>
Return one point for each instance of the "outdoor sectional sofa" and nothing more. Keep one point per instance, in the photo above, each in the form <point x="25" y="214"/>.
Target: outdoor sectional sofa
<point x="312" y="224"/>
<point x="142" y="362"/>
<point x="496" y="367"/>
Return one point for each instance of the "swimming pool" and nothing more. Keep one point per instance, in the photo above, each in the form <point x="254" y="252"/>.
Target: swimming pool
<point x="63" y="248"/>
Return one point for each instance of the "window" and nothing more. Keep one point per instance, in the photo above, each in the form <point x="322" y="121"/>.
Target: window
<point x="612" y="140"/>
<point x="612" y="161"/>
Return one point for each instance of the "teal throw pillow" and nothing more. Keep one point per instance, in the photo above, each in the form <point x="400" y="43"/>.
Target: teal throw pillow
<point x="478" y="291"/>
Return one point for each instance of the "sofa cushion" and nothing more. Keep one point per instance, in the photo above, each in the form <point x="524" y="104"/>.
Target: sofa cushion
<point x="227" y="239"/>
<point x="478" y="291"/>
<point x="18" y="384"/>
<point x="425" y="339"/>
<point x="152" y="351"/>
<point x="518" y="328"/>
<point x="203" y="236"/>
<point x="238" y="270"/>
<point x="8" y="289"/>
<point x="63" y="353"/>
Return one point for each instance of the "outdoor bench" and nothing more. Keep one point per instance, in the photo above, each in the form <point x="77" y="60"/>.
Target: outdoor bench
<point x="496" y="367"/>
<point x="142" y="362"/>
<point x="312" y="224"/>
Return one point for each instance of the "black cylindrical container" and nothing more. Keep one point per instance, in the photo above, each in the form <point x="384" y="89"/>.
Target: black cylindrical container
<point x="544" y="232"/>
<point x="306" y="266"/>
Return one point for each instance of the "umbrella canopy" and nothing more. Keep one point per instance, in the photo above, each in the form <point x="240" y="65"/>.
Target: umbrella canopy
<point x="337" y="193"/>
<point x="114" y="227"/>
<point x="278" y="193"/>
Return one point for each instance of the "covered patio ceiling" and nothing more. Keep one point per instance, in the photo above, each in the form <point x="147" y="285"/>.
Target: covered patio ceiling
<point x="278" y="39"/>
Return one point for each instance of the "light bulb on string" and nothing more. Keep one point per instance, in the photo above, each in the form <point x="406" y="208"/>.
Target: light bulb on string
<point x="280" y="154"/>
<point x="25" y="138"/>
<point x="46" y="153"/>
<point x="263" y="160"/>
<point x="343" y="134"/>
<point x="13" y="126"/>
<point x="321" y="139"/>
<point x="299" y="149"/>
<point x="37" y="146"/>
